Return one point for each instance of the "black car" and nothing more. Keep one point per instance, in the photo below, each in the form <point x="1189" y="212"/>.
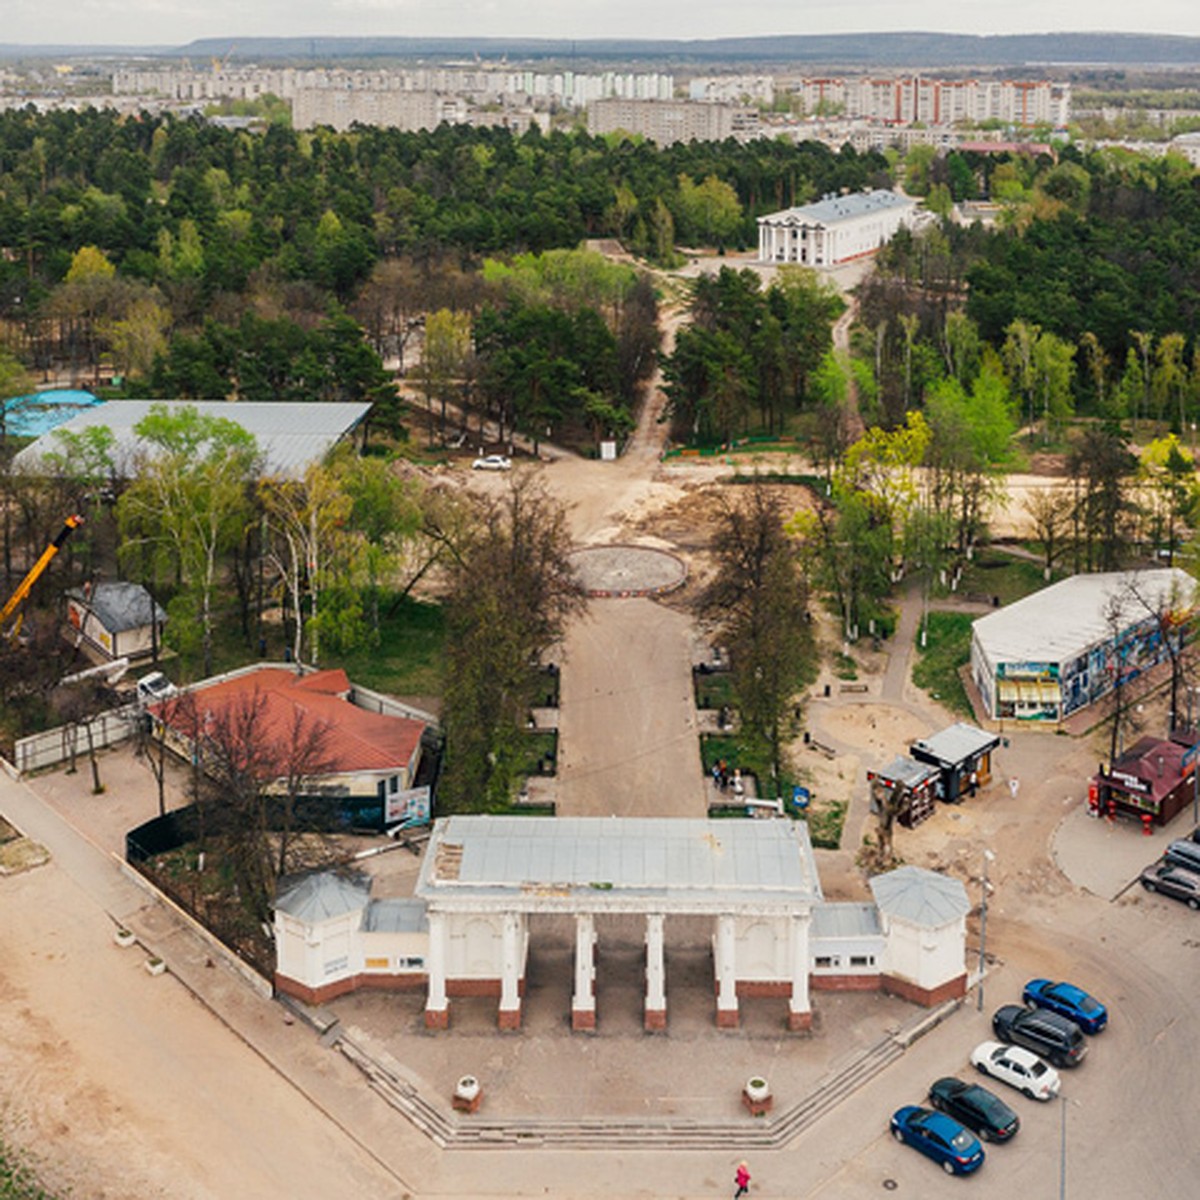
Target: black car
<point x="1046" y="1033"/>
<point x="976" y="1108"/>
<point x="1183" y="852"/>
<point x="1177" y="882"/>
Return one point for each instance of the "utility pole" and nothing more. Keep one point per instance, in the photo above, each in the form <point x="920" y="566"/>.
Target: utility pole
<point x="988" y="856"/>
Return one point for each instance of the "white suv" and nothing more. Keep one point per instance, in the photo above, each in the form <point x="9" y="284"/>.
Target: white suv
<point x="155" y="687"/>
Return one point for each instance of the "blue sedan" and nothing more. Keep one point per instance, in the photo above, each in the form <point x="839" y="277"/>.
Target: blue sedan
<point x="939" y="1137"/>
<point x="1068" y="1001"/>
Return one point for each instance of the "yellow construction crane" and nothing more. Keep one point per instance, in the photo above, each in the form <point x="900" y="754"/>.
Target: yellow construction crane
<point x="18" y="597"/>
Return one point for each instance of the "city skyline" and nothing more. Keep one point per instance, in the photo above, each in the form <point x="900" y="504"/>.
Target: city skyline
<point x="177" y="22"/>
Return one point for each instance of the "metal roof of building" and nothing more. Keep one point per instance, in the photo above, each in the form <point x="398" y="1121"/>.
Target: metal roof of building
<point x="395" y="916"/>
<point x="323" y="896"/>
<point x="1060" y="622"/>
<point x="845" y="919"/>
<point x="832" y="210"/>
<point x="119" y="606"/>
<point x="907" y="771"/>
<point x="768" y="860"/>
<point x="957" y="743"/>
<point x="290" y="435"/>
<point x="920" y="897"/>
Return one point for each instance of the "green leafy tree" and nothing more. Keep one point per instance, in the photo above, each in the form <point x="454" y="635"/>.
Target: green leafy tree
<point x="710" y="212"/>
<point x="188" y="503"/>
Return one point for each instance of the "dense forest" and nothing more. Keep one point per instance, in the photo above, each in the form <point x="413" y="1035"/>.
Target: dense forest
<point x="185" y="205"/>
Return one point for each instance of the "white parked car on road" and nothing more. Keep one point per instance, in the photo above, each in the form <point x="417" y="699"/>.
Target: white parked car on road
<point x="1018" y="1067"/>
<point x="491" y="462"/>
<point x="155" y="687"/>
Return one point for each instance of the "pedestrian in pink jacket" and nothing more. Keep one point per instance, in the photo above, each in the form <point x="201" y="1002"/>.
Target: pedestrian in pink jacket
<point x="742" y="1179"/>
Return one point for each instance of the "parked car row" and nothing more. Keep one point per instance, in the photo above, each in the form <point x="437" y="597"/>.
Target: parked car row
<point x="1177" y="873"/>
<point x="963" y="1115"/>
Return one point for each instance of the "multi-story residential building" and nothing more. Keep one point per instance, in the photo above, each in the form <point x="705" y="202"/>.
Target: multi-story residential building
<point x="477" y="84"/>
<point x="668" y="121"/>
<point x="733" y="89"/>
<point x="907" y="100"/>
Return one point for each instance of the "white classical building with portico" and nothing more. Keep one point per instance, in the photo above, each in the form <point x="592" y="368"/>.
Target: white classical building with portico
<point x="836" y="229"/>
<point x="485" y="882"/>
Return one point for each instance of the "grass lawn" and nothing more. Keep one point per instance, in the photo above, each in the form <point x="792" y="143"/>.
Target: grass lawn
<point x="408" y="660"/>
<point x="825" y="820"/>
<point x="948" y="647"/>
<point x="994" y="573"/>
<point x="713" y="689"/>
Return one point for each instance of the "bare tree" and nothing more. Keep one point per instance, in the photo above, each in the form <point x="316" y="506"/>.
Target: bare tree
<point x="759" y="600"/>
<point x="79" y="705"/>
<point x="1049" y="514"/>
<point x="255" y="769"/>
<point x="512" y="591"/>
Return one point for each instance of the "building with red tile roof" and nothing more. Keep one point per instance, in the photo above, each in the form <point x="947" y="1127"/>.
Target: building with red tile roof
<point x="364" y="753"/>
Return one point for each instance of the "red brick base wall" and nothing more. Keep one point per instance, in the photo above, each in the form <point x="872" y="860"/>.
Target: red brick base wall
<point x="727" y="1018"/>
<point x="343" y="987"/>
<point x="844" y="983"/>
<point x="479" y="987"/>
<point x="799" y="1022"/>
<point x="583" y="1020"/>
<point x="772" y="988"/>
<point x="954" y="989"/>
<point x="508" y="1018"/>
<point x="437" y="1018"/>
<point x="655" y="1020"/>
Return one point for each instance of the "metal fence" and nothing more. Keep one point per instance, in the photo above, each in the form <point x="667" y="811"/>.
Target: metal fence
<point x="53" y="746"/>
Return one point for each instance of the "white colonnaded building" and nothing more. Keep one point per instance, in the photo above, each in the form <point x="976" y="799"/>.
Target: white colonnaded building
<point x="834" y="230"/>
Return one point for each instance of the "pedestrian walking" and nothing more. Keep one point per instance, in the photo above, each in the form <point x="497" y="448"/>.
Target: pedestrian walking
<point x="742" y="1179"/>
<point x="974" y="781"/>
<point x="1014" y="786"/>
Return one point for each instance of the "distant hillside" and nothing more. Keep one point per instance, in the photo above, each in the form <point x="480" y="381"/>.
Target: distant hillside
<point x="849" y="49"/>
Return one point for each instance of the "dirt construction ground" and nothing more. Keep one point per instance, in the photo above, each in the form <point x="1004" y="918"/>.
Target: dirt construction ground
<point x="192" y="1085"/>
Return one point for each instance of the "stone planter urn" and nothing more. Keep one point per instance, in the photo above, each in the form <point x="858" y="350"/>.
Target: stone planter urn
<point x="467" y="1094"/>
<point x="756" y="1096"/>
<point x="124" y="937"/>
<point x="155" y="966"/>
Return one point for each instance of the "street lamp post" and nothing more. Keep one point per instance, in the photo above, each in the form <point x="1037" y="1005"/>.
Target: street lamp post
<point x="988" y="857"/>
<point x="1062" y="1152"/>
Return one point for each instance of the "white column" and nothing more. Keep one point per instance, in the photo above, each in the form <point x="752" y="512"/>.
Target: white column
<point x="799" y="1009"/>
<point x="656" y="975"/>
<point x="510" y="996"/>
<point x="726" y="964"/>
<point x="583" y="1003"/>
<point x="436" y="1003"/>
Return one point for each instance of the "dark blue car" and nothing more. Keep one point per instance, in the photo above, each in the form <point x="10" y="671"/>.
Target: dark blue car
<point x="1068" y="1001"/>
<point x="939" y="1137"/>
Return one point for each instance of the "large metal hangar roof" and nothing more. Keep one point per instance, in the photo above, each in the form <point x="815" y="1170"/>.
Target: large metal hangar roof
<point x="1060" y="622"/>
<point x="291" y="434"/>
<point x="594" y="859"/>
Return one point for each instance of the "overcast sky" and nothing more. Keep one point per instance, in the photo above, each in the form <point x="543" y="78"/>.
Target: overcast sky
<point x="174" y="22"/>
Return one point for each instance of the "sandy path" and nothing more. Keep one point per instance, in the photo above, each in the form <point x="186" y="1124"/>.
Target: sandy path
<point x="125" y="1086"/>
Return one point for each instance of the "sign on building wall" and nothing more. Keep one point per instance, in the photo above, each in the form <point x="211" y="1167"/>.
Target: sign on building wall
<point x="410" y="807"/>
